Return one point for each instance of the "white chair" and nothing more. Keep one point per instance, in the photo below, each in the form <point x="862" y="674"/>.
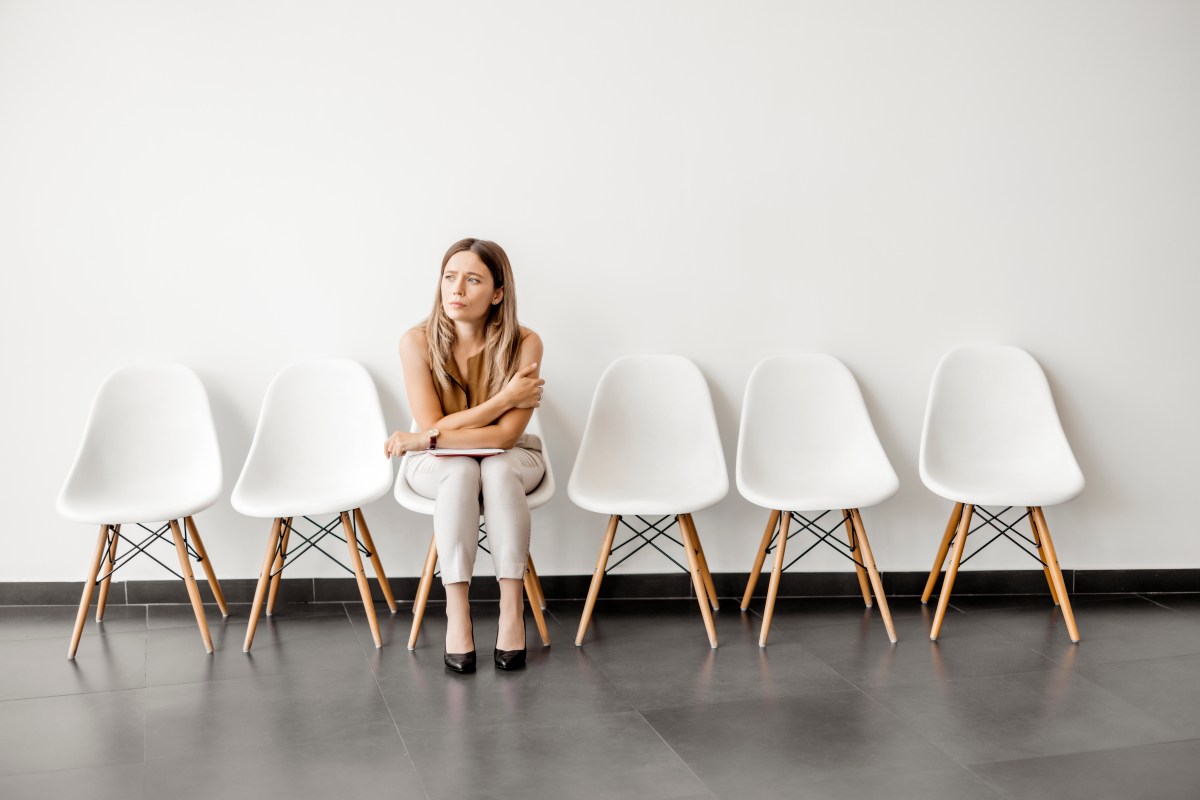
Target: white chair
<point x="149" y="453"/>
<point x="651" y="449"/>
<point x="541" y="495"/>
<point x="807" y="444"/>
<point x="992" y="437"/>
<point x="317" y="451"/>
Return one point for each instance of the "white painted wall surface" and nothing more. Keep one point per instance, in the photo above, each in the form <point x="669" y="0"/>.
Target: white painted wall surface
<point x="238" y="186"/>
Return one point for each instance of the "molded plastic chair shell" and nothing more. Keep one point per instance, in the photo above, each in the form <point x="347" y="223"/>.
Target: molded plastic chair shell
<point x="992" y="435"/>
<point x="541" y="494"/>
<point x="318" y="447"/>
<point x="651" y="445"/>
<point x="806" y="440"/>
<point x="149" y="451"/>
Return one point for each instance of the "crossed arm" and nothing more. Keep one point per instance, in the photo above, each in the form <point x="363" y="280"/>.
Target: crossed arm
<point x="498" y="422"/>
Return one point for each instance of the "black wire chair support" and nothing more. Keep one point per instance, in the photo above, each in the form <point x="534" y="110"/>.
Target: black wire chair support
<point x="1006" y="530"/>
<point x="136" y="548"/>
<point x="313" y="542"/>
<point x="659" y="532"/>
<point x="845" y="550"/>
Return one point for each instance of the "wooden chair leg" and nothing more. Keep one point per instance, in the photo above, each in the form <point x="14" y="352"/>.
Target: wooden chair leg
<point x="536" y="583"/>
<point x="88" y="585"/>
<point x="109" y="563"/>
<point x="690" y="549"/>
<point x="360" y="575"/>
<point x="1060" y="585"/>
<point x="709" y="588"/>
<point x="597" y="577"/>
<point x="264" y="577"/>
<point x="213" y="584"/>
<point x="376" y="564"/>
<point x="863" y="581"/>
<point x="189" y="580"/>
<point x="538" y="616"/>
<point x="277" y="567"/>
<point x="960" y="544"/>
<point x="759" y="558"/>
<point x="423" y="592"/>
<point x="1042" y="555"/>
<point x="785" y="522"/>
<point x="864" y="545"/>
<point x="943" y="548"/>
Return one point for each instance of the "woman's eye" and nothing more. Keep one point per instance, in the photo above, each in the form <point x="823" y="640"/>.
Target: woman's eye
<point x="473" y="280"/>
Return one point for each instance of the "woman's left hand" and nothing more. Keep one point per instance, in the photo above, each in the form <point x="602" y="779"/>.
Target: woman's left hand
<point x="402" y="442"/>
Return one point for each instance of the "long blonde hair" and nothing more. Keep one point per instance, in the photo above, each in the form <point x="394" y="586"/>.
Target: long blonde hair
<point x="502" y="330"/>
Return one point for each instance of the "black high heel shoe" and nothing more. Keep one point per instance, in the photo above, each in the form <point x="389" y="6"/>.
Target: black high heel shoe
<point x="511" y="659"/>
<point x="462" y="662"/>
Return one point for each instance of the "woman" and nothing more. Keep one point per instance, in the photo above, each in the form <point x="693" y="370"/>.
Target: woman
<point x="471" y="373"/>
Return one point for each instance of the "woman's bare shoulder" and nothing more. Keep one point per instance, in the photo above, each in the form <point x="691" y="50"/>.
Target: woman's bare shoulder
<point x="526" y="333"/>
<point x="413" y="340"/>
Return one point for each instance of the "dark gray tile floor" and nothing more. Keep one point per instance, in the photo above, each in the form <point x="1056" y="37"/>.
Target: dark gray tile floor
<point x="1002" y="706"/>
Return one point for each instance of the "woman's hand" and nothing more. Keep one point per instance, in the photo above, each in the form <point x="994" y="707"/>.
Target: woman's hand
<point x="402" y="442"/>
<point x="523" y="390"/>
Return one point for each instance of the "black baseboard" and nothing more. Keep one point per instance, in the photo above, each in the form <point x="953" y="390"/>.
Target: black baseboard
<point x="638" y="585"/>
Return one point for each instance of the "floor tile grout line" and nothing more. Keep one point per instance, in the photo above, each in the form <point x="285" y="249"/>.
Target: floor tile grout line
<point x="895" y="716"/>
<point x="145" y="696"/>
<point x="1182" y="738"/>
<point x="667" y="744"/>
<point x="78" y="694"/>
<point x="1151" y="600"/>
<point x="999" y="792"/>
<point x="386" y="704"/>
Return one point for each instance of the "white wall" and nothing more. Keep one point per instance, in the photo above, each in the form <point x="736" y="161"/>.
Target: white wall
<point x="237" y="186"/>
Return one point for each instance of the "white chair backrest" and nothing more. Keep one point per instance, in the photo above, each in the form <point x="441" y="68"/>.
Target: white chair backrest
<point x="321" y="429"/>
<point x="542" y="493"/>
<point x="805" y="414"/>
<point x="149" y="434"/>
<point x="651" y="428"/>
<point x="991" y="405"/>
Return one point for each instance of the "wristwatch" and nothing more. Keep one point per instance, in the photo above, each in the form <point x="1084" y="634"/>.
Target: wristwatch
<point x="432" y="433"/>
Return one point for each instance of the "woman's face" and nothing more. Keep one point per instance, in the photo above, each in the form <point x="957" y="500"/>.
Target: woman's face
<point x="468" y="290"/>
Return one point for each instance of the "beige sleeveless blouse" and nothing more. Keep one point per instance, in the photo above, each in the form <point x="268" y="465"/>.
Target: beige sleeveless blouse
<point x="465" y="391"/>
<point x="470" y="390"/>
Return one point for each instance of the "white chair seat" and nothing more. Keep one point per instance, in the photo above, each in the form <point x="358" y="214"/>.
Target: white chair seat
<point x="663" y="497"/>
<point x="318" y="447"/>
<point x="988" y="484"/>
<point x="152" y="501"/>
<point x="304" y="496"/>
<point x="815" y="489"/>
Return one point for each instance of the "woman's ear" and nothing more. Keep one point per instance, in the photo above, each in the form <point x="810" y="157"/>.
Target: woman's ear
<point x="497" y="297"/>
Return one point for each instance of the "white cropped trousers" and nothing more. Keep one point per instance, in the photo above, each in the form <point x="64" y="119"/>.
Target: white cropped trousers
<point x="459" y="484"/>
